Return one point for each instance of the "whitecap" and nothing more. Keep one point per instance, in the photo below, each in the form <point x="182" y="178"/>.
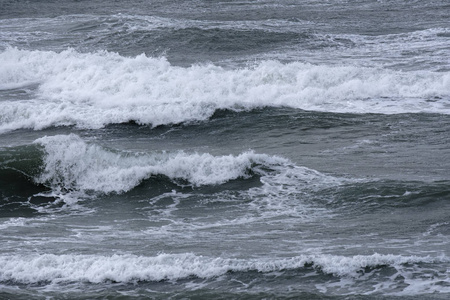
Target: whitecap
<point x="91" y="90"/>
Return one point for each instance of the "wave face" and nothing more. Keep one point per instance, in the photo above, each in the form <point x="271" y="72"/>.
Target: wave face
<point x="91" y="90"/>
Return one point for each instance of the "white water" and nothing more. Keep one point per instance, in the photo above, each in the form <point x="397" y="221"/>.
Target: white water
<point x="91" y="90"/>
<point x="71" y="164"/>
<point x="36" y="268"/>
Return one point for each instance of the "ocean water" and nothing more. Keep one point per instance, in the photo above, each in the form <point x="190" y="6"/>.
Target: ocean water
<point x="245" y="149"/>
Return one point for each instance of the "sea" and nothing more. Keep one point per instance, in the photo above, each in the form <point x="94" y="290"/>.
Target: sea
<point x="248" y="149"/>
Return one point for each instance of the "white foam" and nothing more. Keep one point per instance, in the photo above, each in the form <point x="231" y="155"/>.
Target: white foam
<point x="73" y="169"/>
<point x="37" y="268"/>
<point x="73" y="164"/>
<point x="14" y="222"/>
<point x="285" y="192"/>
<point x="91" y="90"/>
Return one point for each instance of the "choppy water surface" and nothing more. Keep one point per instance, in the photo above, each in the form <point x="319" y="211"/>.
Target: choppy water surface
<point x="224" y="149"/>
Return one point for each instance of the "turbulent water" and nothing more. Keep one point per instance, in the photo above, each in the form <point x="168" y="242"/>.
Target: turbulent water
<point x="225" y="149"/>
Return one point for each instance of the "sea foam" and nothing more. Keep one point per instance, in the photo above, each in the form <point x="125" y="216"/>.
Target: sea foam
<point x="91" y="90"/>
<point x="71" y="164"/>
<point x="40" y="268"/>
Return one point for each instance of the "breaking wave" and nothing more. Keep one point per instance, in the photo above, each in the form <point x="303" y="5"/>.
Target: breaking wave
<point x="409" y="271"/>
<point x="71" y="164"/>
<point x="91" y="90"/>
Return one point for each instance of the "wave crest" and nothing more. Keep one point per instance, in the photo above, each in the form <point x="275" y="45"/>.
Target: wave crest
<point x="131" y="268"/>
<point x="72" y="164"/>
<point x="91" y="90"/>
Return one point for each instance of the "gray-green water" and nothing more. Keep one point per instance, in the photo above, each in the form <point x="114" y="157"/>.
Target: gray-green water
<point x="224" y="149"/>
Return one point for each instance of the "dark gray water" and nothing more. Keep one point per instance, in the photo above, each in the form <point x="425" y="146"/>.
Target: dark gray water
<point x="224" y="149"/>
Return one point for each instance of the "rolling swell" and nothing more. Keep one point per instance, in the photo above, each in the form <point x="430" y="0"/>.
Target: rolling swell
<point x="388" y="194"/>
<point x="133" y="35"/>
<point x="203" y="44"/>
